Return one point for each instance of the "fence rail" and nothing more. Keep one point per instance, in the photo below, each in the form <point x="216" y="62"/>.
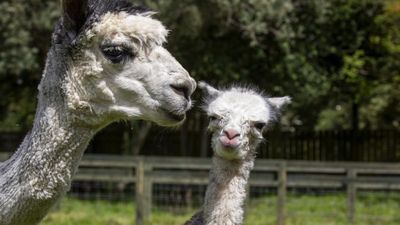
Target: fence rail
<point x="281" y="175"/>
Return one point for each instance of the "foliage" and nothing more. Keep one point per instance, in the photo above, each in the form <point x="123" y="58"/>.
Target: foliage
<point x="25" y="30"/>
<point x="327" y="55"/>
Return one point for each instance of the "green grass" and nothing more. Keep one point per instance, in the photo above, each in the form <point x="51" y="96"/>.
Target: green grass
<point x="74" y="212"/>
<point x="372" y="209"/>
<point x="78" y="212"/>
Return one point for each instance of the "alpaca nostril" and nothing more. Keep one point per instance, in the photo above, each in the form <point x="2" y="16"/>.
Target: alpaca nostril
<point x="181" y="90"/>
<point x="231" y="133"/>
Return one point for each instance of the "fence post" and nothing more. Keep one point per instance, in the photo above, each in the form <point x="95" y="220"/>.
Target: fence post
<point x="281" y="199"/>
<point x="351" y="195"/>
<point x="143" y="192"/>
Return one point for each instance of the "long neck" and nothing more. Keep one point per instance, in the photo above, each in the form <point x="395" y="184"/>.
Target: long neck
<point x="42" y="168"/>
<point x="226" y="192"/>
<point x="54" y="149"/>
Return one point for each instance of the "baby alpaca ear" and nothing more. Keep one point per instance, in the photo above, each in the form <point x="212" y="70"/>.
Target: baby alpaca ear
<point x="208" y="90"/>
<point x="278" y="102"/>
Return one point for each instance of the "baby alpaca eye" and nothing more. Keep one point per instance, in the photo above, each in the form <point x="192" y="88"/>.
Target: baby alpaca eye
<point x="259" y="125"/>
<point x="213" y="118"/>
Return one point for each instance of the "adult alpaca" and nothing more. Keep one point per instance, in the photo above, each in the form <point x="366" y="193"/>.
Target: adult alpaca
<point x="238" y="118"/>
<point x="106" y="63"/>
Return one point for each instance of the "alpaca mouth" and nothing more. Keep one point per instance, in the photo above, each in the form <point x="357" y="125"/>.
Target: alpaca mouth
<point x="177" y="117"/>
<point x="174" y="116"/>
<point x="229" y="144"/>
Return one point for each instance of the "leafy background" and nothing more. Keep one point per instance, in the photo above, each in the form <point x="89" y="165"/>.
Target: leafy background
<point x="338" y="59"/>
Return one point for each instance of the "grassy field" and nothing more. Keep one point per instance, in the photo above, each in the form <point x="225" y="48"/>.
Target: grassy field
<point x="302" y="210"/>
<point x="77" y="212"/>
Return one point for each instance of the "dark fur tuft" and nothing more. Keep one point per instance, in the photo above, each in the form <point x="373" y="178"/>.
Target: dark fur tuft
<point x="95" y="9"/>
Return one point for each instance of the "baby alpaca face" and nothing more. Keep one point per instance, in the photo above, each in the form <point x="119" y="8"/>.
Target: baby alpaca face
<point x="237" y="121"/>
<point x="238" y="118"/>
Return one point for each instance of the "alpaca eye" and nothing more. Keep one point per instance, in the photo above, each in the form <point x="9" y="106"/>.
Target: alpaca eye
<point x="213" y="118"/>
<point x="115" y="53"/>
<point x="259" y="125"/>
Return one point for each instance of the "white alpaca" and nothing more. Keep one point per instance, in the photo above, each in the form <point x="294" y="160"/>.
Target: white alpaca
<point x="238" y="118"/>
<point x="106" y="63"/>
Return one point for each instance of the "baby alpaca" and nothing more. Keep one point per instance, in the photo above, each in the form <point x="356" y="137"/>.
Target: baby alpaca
<point x="238" y="117"/>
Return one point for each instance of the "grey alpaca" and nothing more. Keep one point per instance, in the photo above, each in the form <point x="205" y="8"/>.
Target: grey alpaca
<point x="238" y="117"/>
<point x="106" y="63"/>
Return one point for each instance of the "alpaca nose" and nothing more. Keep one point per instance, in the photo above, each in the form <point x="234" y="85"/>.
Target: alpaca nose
<point x="231" y="133"/>
<point x="182" y="89"/>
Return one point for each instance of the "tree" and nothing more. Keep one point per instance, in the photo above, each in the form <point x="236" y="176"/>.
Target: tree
<point x="339" y="58"/>
<point x="25" y="30"/>
<point x="320" y="52"/>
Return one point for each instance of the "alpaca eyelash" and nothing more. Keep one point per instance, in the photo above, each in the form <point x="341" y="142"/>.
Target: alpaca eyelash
<point x="116" y="53"/>
<point x="213" y="117"/>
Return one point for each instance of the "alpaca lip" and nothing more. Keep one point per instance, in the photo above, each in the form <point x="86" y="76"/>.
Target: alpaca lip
<point x="229" y="143"/>
<point x="176" y="117"/>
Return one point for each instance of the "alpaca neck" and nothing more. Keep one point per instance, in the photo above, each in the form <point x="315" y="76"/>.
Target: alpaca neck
<point x="52" y="153"/>
<point x="226" y="192"/>
<point x="41" y="170"/>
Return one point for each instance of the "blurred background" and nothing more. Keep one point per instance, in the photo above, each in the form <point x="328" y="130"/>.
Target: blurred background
<point x="338" y="59"/>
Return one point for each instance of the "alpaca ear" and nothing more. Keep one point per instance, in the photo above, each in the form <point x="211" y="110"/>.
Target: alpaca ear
<point x="74" y="15"/>
<point x="208" y="90"/>
<point x="279" y="101"/>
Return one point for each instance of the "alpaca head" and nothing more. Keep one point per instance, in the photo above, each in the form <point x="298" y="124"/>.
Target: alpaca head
<point x="117" y="67"/>
<point x="238" y="117"/>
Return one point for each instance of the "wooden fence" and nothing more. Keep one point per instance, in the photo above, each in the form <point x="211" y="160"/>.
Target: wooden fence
<point x="340" y="145"/>
<point x="147" y="171"/>
<point x="192" y="140"/>
<point x="343" y="145"/>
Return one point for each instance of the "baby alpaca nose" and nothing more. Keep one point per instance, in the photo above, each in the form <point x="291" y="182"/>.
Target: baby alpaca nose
<point x="231" y="133"/>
